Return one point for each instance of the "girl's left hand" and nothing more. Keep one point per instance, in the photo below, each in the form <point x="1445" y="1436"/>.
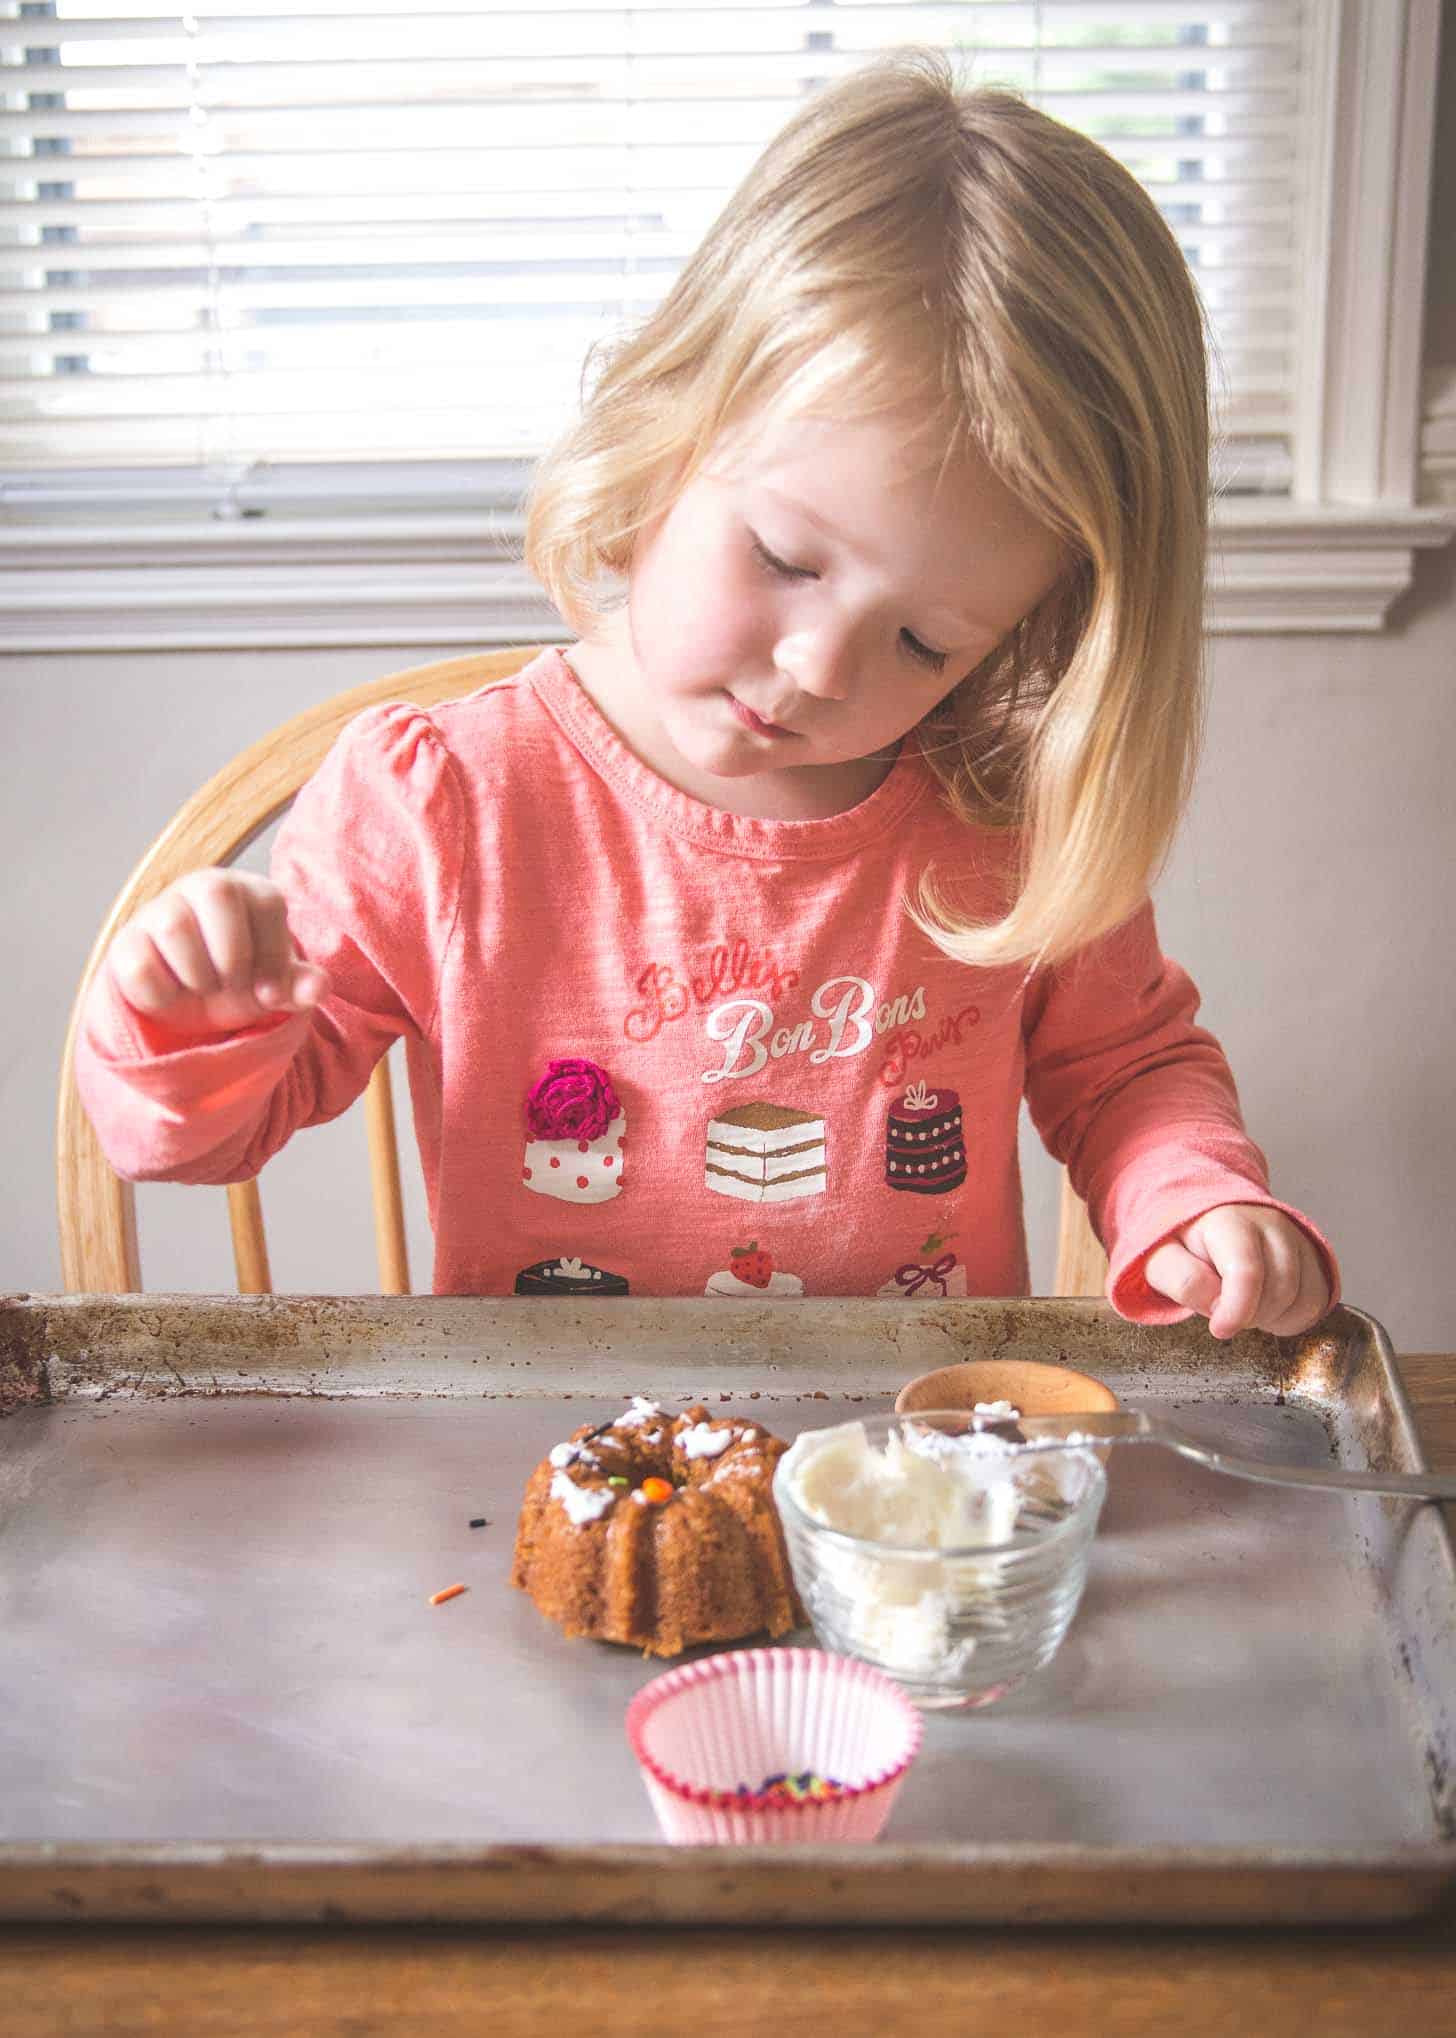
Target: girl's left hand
<point x="1243" y="1266"/>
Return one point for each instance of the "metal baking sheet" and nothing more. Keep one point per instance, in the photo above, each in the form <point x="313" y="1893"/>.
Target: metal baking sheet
<point x="223" y="1693"/>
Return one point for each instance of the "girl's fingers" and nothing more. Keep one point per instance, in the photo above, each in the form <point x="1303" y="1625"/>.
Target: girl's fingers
<point x="1173" y="1271"/>
<point x="282" y="978"/>
<point x="273" y="958"/>
<point x="1279" y="1243"/>
<point x="1311" y="1298"/>
<point x="140" y="974"/>
<point x="1236" y="1251"/>
<point x="309" y="986"/>
<point x="298" y="987"/>
<point x="220" y="907"/>
<point x="173" y="929"/>
<point x="214" y="950"/>
<point x="1268" y="1273"/>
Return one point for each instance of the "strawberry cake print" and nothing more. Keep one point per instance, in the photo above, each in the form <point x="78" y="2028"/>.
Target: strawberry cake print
<point x="750" y="1272"/>
<point x="925" y="1144"/>
<point x="766" y="1153"/>
<point x="575" y="1126"/>
<point x="932" y="1272"/>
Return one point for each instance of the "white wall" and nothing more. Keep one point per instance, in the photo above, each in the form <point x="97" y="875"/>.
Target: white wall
<point x="1311" y="895"/>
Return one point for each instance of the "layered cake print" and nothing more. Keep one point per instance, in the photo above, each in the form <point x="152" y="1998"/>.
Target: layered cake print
<point x="925" y="1147"/>
<point x="575" y="1126"/>
<point x="766" y="1153"/>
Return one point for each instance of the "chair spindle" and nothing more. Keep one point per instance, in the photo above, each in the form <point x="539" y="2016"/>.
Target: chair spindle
<point x="389" y="1238"/>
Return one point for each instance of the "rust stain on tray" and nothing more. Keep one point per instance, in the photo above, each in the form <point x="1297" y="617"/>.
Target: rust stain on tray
<point x="24" y="1357"/>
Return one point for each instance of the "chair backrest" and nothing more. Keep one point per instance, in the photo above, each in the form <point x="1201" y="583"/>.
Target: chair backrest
<point x="97" y="1209"/>
<point x="99" y="1252"/>
<point x="1081" y="1262"/>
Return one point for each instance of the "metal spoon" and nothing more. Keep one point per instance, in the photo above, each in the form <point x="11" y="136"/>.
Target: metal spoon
<point x="1134" y="1426"/>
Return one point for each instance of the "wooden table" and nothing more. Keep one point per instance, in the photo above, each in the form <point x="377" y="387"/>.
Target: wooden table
<point x="1338" y="1983"/>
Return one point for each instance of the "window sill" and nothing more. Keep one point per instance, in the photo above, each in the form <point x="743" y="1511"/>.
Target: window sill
<point x="1280" y="567"/>
<point x="307" y="583"/>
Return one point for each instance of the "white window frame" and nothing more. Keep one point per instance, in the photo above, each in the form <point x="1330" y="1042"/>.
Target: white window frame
<point x="1335" y="557"/>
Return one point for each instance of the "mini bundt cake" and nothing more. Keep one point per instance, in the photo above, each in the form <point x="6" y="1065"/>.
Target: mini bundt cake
<point x="660" y="1531"/>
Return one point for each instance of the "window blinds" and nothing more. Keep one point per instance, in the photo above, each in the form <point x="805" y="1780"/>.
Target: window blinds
<point x="240" y="242"/>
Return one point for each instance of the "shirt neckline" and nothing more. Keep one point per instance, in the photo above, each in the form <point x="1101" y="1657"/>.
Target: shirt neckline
<point x="561" y="693"/>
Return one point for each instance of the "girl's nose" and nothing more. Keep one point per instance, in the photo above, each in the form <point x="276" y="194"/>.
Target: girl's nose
<point x="817" y="661"/>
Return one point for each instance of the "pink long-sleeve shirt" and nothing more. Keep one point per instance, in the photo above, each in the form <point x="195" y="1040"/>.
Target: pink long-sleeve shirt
<point x="661" y="1049"/>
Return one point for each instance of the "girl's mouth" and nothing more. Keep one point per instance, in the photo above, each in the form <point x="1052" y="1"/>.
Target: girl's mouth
<point x="756" y="722"/>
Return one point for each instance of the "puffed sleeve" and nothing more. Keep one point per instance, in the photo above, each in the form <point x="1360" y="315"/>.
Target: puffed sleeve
<point x="1140" y="1104"/>
<point x="370" y="861"/>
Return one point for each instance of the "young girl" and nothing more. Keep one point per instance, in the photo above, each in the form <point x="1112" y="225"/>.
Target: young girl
<point x="726" y="943"/>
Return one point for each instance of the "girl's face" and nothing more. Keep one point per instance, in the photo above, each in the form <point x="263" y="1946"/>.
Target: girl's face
<point x="807" y="599"/>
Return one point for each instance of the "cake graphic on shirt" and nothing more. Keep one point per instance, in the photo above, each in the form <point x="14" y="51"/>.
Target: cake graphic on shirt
<point x="568" y="1276"/>
<point x="575" y="1127"/>
<point x="766" y="1153"/>
<point x="933" y="1272"/>
<point x="925" y="1147"/>
<point x="751" y="1272"/>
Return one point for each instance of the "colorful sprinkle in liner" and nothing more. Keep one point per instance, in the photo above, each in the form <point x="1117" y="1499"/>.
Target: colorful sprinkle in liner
<point x="806" y="1786"/>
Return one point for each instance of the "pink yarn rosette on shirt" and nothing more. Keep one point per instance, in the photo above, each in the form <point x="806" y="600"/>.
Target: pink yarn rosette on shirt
<point x="575" y="1128"/>
<point x="573" y="1100"/>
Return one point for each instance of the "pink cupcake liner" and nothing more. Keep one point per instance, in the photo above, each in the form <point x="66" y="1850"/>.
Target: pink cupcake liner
<point x="701" y="1730"/>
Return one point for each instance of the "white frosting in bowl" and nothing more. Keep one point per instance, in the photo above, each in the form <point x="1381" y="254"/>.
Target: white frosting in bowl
<point x="925" y="1491"/>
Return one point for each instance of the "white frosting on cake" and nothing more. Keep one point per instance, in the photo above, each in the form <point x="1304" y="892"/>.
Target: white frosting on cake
<point x="641" y="1412"/>
<point x="562" y="1455"/>
<point x="582" y="1503"/>
<point x="703" y="1441"/>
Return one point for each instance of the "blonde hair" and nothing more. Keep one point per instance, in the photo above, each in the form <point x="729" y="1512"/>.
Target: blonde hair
<point x="905" y="239"/>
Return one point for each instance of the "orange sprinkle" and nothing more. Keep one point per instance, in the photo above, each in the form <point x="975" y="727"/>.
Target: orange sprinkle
<point x="450" y="1592"/>
<point x="657" y="1490"/>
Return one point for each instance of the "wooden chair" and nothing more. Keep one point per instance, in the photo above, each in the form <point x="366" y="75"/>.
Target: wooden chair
<point x="1081" y="1263"/>
<point x="97" y="1209"/>
<point x="99" y="1253"/>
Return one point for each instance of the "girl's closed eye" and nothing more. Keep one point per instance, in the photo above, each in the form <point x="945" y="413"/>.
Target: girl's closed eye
<point x="782" y="569"/>
<point x="936" y="660"/>
<point x="779" y="568"/>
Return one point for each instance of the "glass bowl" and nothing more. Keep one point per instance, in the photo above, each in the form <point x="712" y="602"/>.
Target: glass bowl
<point x="956" y="1624"/>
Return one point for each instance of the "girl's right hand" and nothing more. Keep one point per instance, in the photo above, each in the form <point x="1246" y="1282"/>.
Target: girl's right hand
<point x="213" y="954"/>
